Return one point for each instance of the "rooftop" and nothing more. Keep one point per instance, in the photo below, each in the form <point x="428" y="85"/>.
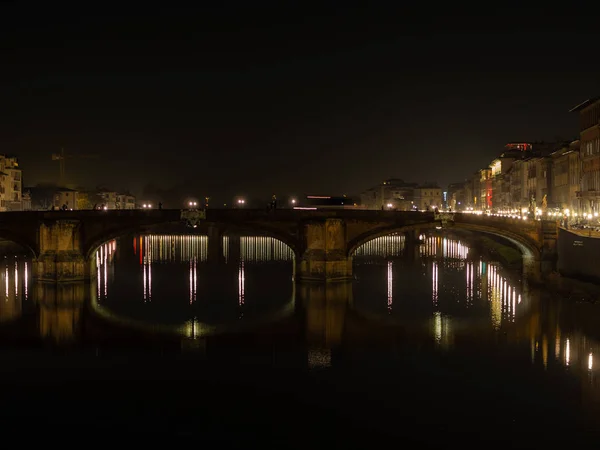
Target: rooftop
<point x="585" y="104"/>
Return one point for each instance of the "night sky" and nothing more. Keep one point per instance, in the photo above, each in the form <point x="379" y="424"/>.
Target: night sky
<point x="260" y="100"/>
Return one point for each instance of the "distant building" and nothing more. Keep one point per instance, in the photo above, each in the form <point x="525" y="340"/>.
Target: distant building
<point x="519" y="179"/>
<point x="457" y="196"/>
<point x="589" y="152"/>
<point x="125" y="201"/>
<point x="27" y="200"/>
<point x="11" y="184"/>
<point x="566" y="175"/>
<point x="115" y="200"/>
<point x="393" y="193"/>
<point x="66" y="198"/>
<point x="427" y="197"/>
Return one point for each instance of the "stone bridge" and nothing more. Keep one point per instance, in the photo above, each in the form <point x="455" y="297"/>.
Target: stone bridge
<point x="63" y="242"/>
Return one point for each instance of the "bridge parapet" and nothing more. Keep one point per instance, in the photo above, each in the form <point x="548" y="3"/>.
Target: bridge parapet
<point x="540" y="237"/>
<point x="541" y="232"/>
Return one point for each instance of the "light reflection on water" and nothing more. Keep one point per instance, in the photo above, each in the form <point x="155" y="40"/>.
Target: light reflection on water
<point x="474" y="297"/>
<point x="461" y="288"/>
<point x="15" y="278"/>
<point x="215" y="293"/>
<point x="448" y="295"/>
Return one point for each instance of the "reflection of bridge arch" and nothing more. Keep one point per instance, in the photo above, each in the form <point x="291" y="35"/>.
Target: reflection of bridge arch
<point x="509" y="303"/>
<point x="191" y="329"/>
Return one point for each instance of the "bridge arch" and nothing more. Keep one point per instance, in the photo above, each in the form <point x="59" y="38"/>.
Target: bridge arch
<point x="92" y="244"/>
<point x="355" y="243"/>
<point x="21" y="241"/>
<point x="261" y="230"/>
<point x="529" y="249"/>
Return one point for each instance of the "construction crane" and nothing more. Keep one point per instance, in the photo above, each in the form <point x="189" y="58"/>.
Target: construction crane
<point x="61" y="157"/>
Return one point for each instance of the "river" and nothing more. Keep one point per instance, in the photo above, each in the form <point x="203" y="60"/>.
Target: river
<point x="436" y="345"/>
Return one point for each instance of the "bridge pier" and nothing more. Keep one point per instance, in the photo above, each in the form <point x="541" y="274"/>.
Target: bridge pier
<point x="411" y="244"/>
<point x="325" y="258"/>
<point x="234" y="249"/>
<point x="215" y="245"/>
<point x="61" y="258"/>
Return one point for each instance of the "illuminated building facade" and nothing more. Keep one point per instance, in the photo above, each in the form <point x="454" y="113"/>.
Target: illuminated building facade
<point x="589" y="151"/>
<point x="11" y="184"/>
<point x="116" y="200"/>
<point x="395" y="192"/>
<point x="428" y="197"/>
<point x="519" y="179"/>
<point x="67" y="197"/>
<point x="566" y="176"/>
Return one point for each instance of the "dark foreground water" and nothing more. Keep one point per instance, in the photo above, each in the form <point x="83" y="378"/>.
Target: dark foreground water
<point x="433" y="347"/>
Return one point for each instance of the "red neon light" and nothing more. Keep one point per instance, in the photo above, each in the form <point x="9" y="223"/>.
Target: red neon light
<point x="317" y="196"/>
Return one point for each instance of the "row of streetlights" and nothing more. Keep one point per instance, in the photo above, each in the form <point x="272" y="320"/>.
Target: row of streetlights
<point x="194" y="204"/>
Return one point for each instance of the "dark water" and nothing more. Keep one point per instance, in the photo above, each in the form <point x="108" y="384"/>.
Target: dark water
<point x="431" y="346"/>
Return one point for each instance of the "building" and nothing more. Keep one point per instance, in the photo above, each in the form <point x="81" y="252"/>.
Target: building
<point x="589" y="153"/>
<point x="457" y="196"/>
<point x="485" y="189"/>
<point x="115" y="200"/>
<point x="125" y="201"/>
<point x="108" y="198"/>
<point x="518" y="186"/>
<point x="11" y="184"/>
<point x="428" y="197"/>
<point x="65" y="198"/>
<point x="566" y="176"/>
<point x="539" y="182"/>
<point x="27" y="201"/>
<point x="390" y="194"/>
